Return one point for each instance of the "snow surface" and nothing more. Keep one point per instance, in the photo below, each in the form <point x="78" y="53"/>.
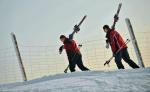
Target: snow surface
<point x="92" y="81"/>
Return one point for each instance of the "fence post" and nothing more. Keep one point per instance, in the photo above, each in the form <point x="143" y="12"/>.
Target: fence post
<point x="134" y="42"/>
<point x="19" y="56"/>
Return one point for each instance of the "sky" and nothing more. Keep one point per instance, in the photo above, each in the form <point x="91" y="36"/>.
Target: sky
<point x="50" y="18"/>
<point x="41" y="22"/>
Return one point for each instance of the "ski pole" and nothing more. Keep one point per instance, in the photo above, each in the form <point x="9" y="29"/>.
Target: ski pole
<point x="65" y="71"/>
<point x="108" y="61"/>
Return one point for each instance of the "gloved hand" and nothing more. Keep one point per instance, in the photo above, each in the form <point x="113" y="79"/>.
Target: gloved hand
<point x="76" y="28"/>
<point x="116" y="18"/>
<point x="60" y="49"/>
<point x="107" y="44"/>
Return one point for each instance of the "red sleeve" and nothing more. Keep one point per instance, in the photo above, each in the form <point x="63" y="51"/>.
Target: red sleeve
<point x="114" y="41"/>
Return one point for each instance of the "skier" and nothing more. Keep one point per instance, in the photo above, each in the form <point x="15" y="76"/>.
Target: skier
<point x="73" y="52"/>
<point x="116" y="42"/>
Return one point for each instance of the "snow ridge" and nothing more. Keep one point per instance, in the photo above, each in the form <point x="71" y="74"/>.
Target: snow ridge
<point x="130" y="80"/>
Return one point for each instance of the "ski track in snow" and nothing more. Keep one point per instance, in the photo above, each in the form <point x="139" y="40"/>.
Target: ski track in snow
<point x="92" y="81"/>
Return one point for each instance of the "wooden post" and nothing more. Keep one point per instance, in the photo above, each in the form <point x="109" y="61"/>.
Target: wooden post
<point x="135" y="44"/>
<point x="19" y="56"/>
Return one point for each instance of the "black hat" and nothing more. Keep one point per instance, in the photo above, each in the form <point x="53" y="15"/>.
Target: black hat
<point x="62" y="36"/>
<point x="105" y="26"/>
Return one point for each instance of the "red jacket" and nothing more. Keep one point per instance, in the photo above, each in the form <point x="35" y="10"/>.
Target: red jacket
<point x="116" y="41"/>
<point x="71" y="47"/>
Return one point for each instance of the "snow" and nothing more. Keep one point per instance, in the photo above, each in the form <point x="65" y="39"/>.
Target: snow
<point x="130" y="80"/>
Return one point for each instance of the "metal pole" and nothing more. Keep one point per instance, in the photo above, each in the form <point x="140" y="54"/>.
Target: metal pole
<point x="19" y="56"/>
<point x="134" y="42"/>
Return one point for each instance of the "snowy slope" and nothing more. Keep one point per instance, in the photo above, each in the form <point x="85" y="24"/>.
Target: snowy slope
<point x="93" y="81"/>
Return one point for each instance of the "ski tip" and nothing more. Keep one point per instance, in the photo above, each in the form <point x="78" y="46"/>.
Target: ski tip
<point x="120" y="4"/>
<point x="12" y="33"/>
<point x="85" y="16"/>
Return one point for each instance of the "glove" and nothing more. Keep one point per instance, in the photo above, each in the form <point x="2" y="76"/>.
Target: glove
<point x="116" y="18"/>
<point x="76" y="28"/>
<point x="107" y="44"/>
<point x="60" y="49"/>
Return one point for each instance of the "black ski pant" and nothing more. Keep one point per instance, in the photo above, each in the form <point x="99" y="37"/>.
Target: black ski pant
<point x="123" y="54"/>
<point x="76" y="59"/>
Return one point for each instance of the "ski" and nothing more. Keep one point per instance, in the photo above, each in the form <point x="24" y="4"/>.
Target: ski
<point x="78" y="25"/>
<point x="116" y="15"/>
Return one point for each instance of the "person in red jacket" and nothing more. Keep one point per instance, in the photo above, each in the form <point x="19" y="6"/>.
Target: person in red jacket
<point x="73" y="52"/>
<point x="116" y="42"/>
